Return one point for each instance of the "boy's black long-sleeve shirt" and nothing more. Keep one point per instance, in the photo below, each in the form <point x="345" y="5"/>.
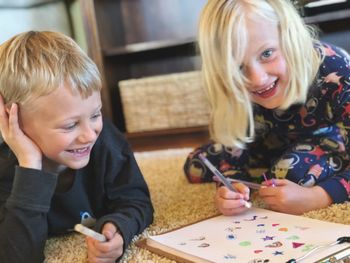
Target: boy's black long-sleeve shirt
<point x="110" y="188"/>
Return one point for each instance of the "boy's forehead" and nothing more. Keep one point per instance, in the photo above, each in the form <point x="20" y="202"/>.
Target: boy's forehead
<point x="62" y="98"/>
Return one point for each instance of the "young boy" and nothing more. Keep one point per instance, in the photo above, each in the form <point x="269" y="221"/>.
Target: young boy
<point x="61" y="163"/>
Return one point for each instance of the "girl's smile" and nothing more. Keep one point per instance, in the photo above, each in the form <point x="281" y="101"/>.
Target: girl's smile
<point x="267" y="92"/>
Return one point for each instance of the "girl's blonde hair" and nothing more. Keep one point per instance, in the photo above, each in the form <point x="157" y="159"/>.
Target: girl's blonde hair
<point x="33" y="64"/>
<point x="223" y="41"/>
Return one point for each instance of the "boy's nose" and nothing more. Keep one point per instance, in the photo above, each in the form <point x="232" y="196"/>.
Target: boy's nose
<point x="88" y="134"/>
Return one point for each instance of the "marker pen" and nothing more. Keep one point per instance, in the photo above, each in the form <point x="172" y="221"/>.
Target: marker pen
<point x="89" y="232"/>
<point x="221" y="177"/>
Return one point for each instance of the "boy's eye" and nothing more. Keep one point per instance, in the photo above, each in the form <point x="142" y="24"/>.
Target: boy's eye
<point x="70" y="126"/>
<point x="97" y="115"/>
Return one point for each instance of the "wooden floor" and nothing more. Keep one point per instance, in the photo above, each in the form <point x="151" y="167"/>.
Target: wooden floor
<point x="150" y="141"/>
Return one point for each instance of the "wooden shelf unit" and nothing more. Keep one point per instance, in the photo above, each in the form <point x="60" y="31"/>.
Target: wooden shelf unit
<point x="149" y="46"/>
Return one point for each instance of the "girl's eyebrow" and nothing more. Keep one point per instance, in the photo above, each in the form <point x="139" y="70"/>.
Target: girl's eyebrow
<point x="267" y="46"/>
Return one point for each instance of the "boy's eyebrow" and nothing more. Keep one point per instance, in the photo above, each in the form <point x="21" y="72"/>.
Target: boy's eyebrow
<point x="98" y="108"/>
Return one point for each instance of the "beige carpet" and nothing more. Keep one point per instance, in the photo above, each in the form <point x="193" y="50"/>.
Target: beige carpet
<point x="176" y="203"/>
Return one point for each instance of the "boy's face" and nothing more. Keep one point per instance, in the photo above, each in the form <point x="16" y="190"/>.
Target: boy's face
<point x="64" y="126"/>
<point x="264" y="64"/>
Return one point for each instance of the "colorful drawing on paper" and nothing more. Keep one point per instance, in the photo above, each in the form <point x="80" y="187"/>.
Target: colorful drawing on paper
<point x="262" y="236"/>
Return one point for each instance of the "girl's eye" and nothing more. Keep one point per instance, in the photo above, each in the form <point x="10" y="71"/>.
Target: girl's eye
<point x="266" y="54"/>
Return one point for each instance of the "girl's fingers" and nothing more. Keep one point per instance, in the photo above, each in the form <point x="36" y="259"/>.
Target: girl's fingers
<point x="225" y="193"/>
<point x="278" y="182"/>
<point x="231" y="199"/>
<point x="231" y="204"/>
<point x="243" y="189"/>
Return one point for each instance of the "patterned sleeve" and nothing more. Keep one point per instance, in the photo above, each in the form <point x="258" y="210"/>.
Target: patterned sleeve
<point x="336" y="86"/>
<point x="231" y="162"/>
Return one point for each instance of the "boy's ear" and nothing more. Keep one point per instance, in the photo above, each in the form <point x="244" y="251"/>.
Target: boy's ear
<point x="8" y="108"/>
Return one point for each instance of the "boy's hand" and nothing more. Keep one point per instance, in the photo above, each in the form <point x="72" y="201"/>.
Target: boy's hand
<point x="105" y="252"/>
<point x="231" y="203"/>
<point x="291" y="198"/>
<point x="27" y="153"/>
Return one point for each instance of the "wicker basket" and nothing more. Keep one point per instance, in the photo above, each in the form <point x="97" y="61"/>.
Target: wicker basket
<point x="164" y="102"/>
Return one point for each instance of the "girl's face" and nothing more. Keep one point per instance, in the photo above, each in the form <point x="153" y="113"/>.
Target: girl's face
<point x="264" y="64"/>
<point x="64" y="126"/>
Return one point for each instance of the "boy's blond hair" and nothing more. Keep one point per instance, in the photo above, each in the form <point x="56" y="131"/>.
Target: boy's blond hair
<point x="222" y="42"/>
<point x="33" y="64"/>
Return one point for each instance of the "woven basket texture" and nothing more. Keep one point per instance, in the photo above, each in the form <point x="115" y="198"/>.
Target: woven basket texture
<point x="164" y="102"/>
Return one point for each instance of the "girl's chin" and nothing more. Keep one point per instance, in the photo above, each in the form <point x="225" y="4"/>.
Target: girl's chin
<point x="271" y="105"/>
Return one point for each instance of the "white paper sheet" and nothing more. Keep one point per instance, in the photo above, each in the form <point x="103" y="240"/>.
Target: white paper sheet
<point x="258" y="235"/>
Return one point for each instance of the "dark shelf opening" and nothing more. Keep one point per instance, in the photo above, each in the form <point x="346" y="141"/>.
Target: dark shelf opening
<point x="327" y="17"/>
<point x="149" y="47"/>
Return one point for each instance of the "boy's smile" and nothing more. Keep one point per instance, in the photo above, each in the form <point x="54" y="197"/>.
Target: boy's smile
<point x="264" y="64"/>
<point x="64" y="126"/>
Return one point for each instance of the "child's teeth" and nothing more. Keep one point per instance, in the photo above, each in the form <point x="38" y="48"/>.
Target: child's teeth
<point x="79" y="150"/>
<point x="262" y="91"/>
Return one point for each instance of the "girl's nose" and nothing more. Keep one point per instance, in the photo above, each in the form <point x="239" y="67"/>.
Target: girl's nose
<point x="256" y="75"/>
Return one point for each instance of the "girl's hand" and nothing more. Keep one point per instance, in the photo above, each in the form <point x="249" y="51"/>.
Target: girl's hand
<point x="231" y="203"/>
<point x="27" y="152"/>
<point x="291" y="198"/>
<point x="105" y="252"/>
